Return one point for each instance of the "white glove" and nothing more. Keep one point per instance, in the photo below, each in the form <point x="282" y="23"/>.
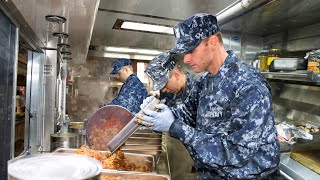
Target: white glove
<point x="146" y="101"/>
<point x="160" y="120"/>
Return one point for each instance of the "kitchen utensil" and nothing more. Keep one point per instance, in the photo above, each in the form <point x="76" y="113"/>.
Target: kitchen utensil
<point x="104" y="124"/>
<point x="129" y="129"/>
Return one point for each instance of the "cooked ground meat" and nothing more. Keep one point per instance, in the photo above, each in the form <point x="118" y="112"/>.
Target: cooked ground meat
<point x="116" y="161"/>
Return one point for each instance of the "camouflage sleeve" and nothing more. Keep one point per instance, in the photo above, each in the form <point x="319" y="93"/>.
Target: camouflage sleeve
<point x="131" y="95"/>
<point x="119" y="99"/>
<point x="187" y="111"/>
<point x="250" y="111"/>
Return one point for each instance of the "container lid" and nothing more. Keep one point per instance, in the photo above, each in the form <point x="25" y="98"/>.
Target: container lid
<point x="54" y="166"/>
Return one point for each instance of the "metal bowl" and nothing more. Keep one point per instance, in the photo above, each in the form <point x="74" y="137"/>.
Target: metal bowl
<point x="54" y="166"/>
<point x="104" y="124"/>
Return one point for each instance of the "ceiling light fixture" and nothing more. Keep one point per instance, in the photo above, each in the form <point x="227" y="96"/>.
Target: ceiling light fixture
<point x="120" y="55"/>
<point x="143" y="27"/>
<point x="237" y="9"/>
<point x="133" y="50"/>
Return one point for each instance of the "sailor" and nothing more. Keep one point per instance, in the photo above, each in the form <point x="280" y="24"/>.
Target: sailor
<point x="227" y="121"/>
<point x="133" y="91"/>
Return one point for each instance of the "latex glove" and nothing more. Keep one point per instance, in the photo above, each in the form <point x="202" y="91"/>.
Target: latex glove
<point x="159" y="120"/>
<point x="146" y="101"/>
<point x="143" y="128"/>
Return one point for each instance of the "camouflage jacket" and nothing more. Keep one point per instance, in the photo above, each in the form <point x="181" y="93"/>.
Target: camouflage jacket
<point x="173" y="99"/>
<point x="131" y="94"/>
<point x="227" y="124"/>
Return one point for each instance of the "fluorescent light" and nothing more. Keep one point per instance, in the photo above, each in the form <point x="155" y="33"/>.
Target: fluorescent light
<point x="132" y="50"/>
<point x="121" y="55"/>
<point x="146" y="27"/>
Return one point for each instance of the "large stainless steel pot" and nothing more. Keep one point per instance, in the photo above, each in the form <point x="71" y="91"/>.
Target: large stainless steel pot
<point x="66" y="140"/>
<point x="78" y="128"/>
<point x="54" y="166"/>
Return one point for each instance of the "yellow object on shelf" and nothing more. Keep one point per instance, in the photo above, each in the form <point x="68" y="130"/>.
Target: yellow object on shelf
<point x="273" y="54"/>
<point x="314" y="62"/>
<point x="19" y="110"/>
<point x="263" y="56"/>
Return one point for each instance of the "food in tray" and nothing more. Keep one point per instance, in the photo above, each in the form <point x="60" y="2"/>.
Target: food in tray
<point x="309" y="128"/>
<point x="104" y="132"/>
<point x="106" y="177"/>
<point x="116" y="161"/>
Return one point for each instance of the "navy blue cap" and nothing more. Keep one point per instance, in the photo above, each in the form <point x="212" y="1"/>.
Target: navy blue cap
<point x="118" y="64"/>
<point x="159" y="70"/>
<point x="190" y="33"/>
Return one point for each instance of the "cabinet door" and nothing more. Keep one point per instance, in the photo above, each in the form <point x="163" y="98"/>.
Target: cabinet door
<point x="34" y="102"/>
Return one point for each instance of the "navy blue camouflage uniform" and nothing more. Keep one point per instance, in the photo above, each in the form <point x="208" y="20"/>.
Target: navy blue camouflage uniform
<point x="132" y="92"/>
<point x="227" y="124"/>
<point x="159" y="71"/>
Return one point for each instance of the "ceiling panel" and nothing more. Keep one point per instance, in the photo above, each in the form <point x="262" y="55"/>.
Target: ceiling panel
<point x="178" y="9"/>
<point x="274" y="17"/>
<point x="165" y="12"/>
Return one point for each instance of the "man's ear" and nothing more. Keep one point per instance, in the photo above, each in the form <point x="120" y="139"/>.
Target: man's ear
<point x="213" y="42"/>
<point x="176" y="74"/>
<point x="125" y="68"/>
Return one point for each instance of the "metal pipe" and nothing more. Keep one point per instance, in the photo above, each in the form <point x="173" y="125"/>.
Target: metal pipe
<point x="238" y="9"/>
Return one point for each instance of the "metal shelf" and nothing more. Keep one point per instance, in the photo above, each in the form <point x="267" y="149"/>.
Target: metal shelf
<point x="297" y="77"/>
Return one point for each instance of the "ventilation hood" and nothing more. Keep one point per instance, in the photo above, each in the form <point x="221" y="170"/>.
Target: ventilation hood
<point x="31" y="18"/>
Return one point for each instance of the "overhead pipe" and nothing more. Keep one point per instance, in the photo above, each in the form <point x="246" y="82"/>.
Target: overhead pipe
<point x="239" y="8"/>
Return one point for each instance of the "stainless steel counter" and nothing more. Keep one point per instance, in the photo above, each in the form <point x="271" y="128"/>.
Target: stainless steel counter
<point x="291" y="169"/>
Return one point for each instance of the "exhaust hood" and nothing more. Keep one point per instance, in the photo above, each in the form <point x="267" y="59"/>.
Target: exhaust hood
<point x="79" y="14"/>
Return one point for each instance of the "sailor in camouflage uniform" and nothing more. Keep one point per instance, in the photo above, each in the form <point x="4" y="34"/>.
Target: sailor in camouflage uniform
<point x="133" y="91"/>
<point x="227" y="122"/>
<point x="175" y="86"/>
<point x="168" y="77"/>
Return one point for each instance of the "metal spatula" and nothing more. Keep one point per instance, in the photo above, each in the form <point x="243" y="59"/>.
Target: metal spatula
<point x="129" y="129"/>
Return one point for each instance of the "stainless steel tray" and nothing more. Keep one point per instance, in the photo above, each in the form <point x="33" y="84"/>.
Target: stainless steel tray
<point x="138" y="159"/>
<point x="142" y="149"/>
<point x="144" y="141"/>
<point x="128" y="175"/>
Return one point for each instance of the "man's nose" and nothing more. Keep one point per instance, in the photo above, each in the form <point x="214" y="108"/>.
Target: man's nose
<point x="187" y="58"/>
<point x="164" y="90"/>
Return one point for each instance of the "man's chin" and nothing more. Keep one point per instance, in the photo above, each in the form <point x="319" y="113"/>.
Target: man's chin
<point x="196" y="70"/>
